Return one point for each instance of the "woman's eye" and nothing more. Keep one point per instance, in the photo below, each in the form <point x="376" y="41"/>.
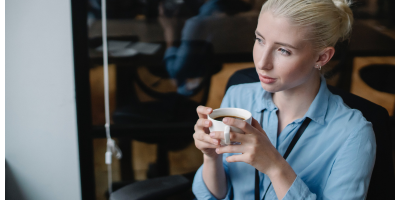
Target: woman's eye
<point x="284" y="52"/>
<point x="258" y="40"/>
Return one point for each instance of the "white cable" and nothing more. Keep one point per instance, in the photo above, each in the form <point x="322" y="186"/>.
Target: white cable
<point x="112" y="148"/>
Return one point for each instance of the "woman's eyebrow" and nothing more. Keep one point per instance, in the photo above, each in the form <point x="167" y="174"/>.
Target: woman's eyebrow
<point x="280" y="43"/>
<point x="257" y="33"/>
<point x="287" y="45"/>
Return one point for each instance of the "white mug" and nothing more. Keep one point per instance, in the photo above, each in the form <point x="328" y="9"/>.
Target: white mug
<point x="220" y="126"/>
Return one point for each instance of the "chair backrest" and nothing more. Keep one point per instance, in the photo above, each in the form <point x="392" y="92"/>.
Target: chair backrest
<point x="166" y="106"/>
<point x="382" y="181"/>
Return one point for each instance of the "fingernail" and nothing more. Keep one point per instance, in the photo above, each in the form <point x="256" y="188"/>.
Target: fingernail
<point x="209" y="109"/>
<point x="217" y="150"/>
<point x="215" y="142"/>
<point x="212" y="134"/>
<point x="225" y="120"/>
<point x="206" y="123"/>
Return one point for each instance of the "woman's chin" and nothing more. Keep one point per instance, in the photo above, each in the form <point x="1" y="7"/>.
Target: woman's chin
<point x="269" y="88"/>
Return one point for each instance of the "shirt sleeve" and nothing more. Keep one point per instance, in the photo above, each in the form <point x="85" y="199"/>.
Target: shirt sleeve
<point x="299" y="190"/>
<point x="352" y="170"/>
<point x="200" y="189"/>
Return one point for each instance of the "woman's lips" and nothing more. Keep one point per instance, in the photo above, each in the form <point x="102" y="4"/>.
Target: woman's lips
<point x="266" y="79"/>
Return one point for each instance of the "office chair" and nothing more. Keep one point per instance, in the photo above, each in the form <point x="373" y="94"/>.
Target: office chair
<point x="381" y="184"/>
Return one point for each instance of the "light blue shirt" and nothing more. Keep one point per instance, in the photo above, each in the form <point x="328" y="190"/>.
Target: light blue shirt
<point x="333" y="159"/>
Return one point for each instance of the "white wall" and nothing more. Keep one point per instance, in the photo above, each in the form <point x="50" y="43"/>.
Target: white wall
<point x="41" y="130"/>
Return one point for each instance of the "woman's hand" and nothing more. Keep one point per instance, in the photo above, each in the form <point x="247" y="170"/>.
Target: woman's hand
<point x="213" y="170"/>
<point x="256" y="149"/>
<point x="202" y="139"/>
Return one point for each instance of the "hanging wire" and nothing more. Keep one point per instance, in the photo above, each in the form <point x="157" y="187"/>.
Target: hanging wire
<point x="112" y="148"/>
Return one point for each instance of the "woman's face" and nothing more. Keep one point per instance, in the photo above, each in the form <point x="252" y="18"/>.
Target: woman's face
<point x="284" y="60"/>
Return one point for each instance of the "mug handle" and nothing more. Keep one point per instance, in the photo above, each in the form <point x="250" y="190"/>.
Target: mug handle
<point x="227" y="136"/>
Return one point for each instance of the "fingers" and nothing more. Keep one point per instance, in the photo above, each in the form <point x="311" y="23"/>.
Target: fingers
<point x="256" y="125"/>
<point x="235" y="158"/>
<point x="205" y="145"/>
<point x="203" y="111"/>
<point x="244" y="126"/>
<point x="230" y="149"/>
<point x="240" y="157"/>
<point x="204" y="137"/>
<point x="236" y="137"/>
<point x="203" y="125"/>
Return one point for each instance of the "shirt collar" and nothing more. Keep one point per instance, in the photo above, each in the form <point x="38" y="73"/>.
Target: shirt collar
<point x="264" y="100"/>
<point x="315" y="112"/>
<point x="319" y="106"/>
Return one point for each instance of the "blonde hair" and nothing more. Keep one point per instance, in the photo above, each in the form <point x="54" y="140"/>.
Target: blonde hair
<point x="327" y="20"/>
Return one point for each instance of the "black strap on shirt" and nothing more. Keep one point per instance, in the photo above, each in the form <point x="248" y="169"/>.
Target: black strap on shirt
<point x="288" y="150"/>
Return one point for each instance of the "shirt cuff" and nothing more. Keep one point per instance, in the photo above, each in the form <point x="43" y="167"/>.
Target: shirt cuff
<point x="299" y="190"/>
<point x="200" y="189"/>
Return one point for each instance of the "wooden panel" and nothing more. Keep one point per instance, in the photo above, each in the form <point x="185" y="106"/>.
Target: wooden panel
<point x="360" y="88"/>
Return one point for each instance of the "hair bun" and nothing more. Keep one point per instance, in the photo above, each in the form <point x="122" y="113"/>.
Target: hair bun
<point x="344" y="6"/>
<point x="347" y="17"/>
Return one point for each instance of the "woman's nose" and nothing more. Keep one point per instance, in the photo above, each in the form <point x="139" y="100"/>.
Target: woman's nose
<point x="266" y="61"/>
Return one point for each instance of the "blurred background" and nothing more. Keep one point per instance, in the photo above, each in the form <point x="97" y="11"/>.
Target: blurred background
<point x="166" y="57"/>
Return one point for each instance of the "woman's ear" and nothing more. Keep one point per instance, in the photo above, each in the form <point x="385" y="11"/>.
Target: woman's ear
<point x="325" y="56"/>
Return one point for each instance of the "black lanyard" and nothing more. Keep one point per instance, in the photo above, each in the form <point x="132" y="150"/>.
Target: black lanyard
<point x="288" y="150"/>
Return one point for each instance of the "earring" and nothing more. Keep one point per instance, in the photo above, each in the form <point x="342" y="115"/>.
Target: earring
<point x="319" y="67"/>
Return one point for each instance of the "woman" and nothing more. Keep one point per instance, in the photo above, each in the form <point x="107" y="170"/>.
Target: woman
<point x="334" y="157"/>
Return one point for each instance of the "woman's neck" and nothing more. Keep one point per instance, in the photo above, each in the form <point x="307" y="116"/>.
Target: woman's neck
<point x="294" y="103"/>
